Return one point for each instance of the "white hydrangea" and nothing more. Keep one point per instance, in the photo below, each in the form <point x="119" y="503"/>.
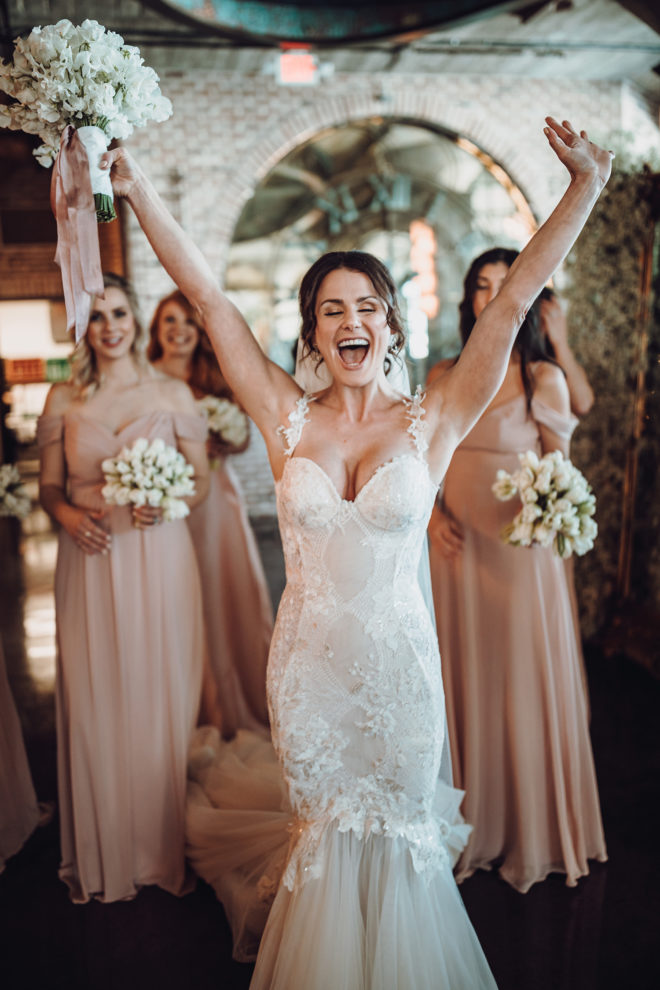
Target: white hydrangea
<point x="14" y="499"/>
<point x="226" y="419"/>
<point x="557" y="504"/>
<point x="62" y="74"/>
<point x="149" y="473"/>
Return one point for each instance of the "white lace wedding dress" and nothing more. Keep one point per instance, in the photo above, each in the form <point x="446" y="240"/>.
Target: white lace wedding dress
<point x="350" y="828"/>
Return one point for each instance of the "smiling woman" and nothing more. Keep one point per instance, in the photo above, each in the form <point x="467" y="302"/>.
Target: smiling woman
<point x="129" y="624"/>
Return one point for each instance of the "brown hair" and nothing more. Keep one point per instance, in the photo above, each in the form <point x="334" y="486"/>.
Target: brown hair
<point x="205" y="378"/>
<point x="530" y="343"/>
<point x="352" y="261"/>
<point x="84" y="370"/>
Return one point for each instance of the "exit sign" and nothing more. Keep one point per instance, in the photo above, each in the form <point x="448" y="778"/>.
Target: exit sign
<point x="297" y="67"/>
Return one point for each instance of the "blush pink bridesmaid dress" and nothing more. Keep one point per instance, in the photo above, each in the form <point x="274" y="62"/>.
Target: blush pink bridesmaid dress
<point x="512" y="666"/>
<point x="237" y="609"/>
<point x="130" y="653"/>
<point x="19" y="812"/>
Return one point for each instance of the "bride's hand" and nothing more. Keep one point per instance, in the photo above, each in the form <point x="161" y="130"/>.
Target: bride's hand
<point x="124" y="171"/>
<point x="580" y="155"/>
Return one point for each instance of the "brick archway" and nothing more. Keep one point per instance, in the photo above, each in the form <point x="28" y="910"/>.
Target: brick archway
<point x="287" y="133"/>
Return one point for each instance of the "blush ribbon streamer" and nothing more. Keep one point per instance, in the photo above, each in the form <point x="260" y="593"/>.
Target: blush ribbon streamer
<point x="78" y="253"/>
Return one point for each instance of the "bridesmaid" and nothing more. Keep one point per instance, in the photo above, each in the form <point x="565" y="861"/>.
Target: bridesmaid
<point x="129" y="624"/>
<point x="237" y="609"/>
<point x="511" y="657"/>
<point x="19" y="811"/>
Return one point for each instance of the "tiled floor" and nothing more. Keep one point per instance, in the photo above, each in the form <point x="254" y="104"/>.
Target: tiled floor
<point x="601" y="935"/>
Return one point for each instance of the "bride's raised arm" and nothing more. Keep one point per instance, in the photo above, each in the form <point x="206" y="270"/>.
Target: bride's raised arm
<point x="463" y="392"/>
<point x="263" y="389"/>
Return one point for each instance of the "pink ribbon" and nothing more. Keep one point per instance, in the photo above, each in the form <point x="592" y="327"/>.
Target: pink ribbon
<point x="78" y="253"/>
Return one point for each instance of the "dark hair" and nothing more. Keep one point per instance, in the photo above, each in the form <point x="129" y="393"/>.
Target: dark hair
<point x="352" y="261"/>
<point x="531" y="343"/>
<point x="206" y="377"/>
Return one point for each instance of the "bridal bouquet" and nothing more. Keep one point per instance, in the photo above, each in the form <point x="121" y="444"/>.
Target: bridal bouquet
<point x="14" y="499"/>
<point x="84" y="76"/>
<point x="557" y="504"/>
<point x="225" y="419"/>
<point x="149" y="474"/>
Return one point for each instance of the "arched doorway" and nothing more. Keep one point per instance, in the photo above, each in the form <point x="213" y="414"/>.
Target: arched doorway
<point x="424" y="200"/>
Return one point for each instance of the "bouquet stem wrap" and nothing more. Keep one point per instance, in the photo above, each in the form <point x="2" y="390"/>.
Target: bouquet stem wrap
<point x="78" y="253"/>
<point x="95" y="142"/>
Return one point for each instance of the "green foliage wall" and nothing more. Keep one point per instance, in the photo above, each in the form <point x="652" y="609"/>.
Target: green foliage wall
<point x="604" y="296"/>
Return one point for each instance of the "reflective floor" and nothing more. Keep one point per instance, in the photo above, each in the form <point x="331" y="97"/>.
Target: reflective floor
<point x="601" y="935"/>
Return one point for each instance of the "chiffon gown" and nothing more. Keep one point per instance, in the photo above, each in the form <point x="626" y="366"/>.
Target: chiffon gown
<point x="19" y="812"/>
<point x="130" y="651"/>
<point x="512" y="666"/>
<point x="237" y="611"/>
<point x="349" y="827"/>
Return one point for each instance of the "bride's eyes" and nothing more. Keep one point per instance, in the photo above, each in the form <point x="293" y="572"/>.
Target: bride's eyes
<point x="339" y="312"/>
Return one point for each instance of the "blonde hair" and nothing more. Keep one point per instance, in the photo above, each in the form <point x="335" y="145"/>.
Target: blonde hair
<point x="85" y="376"/>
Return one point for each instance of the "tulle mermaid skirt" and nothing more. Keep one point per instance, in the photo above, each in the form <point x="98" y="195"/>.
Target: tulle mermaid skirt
<point x="368" y="921"/>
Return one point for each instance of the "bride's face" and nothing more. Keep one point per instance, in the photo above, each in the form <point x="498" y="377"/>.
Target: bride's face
<point x="352" y="333"/>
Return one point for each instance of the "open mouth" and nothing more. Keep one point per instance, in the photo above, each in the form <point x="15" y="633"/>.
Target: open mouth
<point x="112" y="341"/>
<point x="353" y="351"/>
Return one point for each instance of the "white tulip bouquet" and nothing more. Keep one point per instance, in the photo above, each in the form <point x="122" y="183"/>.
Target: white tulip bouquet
<point x="225" y="419"/>
<point x="14" y="499"/>
<point x="147" y="473"/>
<point x="85" y="76"/>
<point x="557" y="504"/>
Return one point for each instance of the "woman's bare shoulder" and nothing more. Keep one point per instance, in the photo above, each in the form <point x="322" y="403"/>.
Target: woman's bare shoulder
<point x="60" y="397"/>
<point x="176" y="394"/>
<point x="550" y="386"/>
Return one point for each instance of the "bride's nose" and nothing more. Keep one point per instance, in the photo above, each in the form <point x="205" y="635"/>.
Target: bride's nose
<point x="352" y="320"/>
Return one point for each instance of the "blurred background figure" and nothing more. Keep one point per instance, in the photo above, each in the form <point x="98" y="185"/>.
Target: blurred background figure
<point x="129" y="623"/>
<point x="237" y="607"/>
<point x="19" y="811"/>
<point x="554" y="326"/>
<point x="511" y="656"/>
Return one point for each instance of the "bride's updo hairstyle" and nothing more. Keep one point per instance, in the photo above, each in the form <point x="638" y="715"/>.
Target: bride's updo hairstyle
<point x="352" y="261"/>
<point x="84" y="369"/>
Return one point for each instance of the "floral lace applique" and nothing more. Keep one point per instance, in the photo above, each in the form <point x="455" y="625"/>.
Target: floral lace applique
<point x="418" y="429"/>
<point x="297" y="419"/>
<point x="354" y="679"/>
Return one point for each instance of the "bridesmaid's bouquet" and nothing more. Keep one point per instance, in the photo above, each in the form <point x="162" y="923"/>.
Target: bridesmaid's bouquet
<point x="85" y="76"/>
<point x="147" y="473"/>
<point x="557" y="504"/>
<point x="14" y="499"/>
<point x="225" y="419"/>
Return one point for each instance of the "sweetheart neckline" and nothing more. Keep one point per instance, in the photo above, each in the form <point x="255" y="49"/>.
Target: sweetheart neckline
<point x="374" y="474"/>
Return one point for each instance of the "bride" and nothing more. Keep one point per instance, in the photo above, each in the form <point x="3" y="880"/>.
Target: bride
<point x="366" y="899"/>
